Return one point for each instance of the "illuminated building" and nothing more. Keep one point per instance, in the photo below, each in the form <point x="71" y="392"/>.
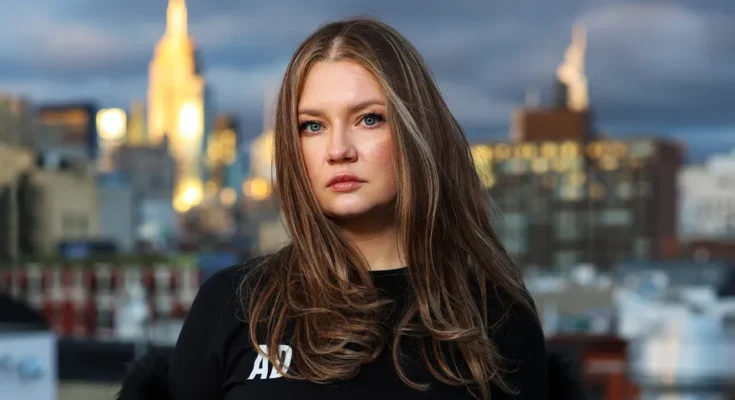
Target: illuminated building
<point x="571" y="75"/>
<point x="223" y="160"/>
<point x="569" y="197"/>
<point x="112" y="126"/>
<point x="264" y="218"/>
<point x="567" y="202"/>
<point x="151" y="171"/>
<point x="45" y="197"/>
<point x="77" y="124"/>
<point x="262" y="172"/>
<point x="177" y="104"/>
<point x="20" y="125"/>
<point x="136" y="135"/>
<point x="259" y="185"/>
<point x="569" y="118"/>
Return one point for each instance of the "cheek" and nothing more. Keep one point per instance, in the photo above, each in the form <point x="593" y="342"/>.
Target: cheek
<point x="382" y="157"/>
<point x="311" y="162"/>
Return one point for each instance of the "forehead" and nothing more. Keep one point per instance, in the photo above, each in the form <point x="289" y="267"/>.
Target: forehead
<point x="338" y="84"/>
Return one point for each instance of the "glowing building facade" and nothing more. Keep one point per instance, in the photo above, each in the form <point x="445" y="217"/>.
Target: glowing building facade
<point x="112" y="126"/>
<point x="136" y="132"/>
<point x="223" y="161"/>
<point x="571" y="73"/>
<point x="567" y="202"/>
<point x="177" y="104"/>
<point x="261" y="171"/>
<point x="76" y="123"/>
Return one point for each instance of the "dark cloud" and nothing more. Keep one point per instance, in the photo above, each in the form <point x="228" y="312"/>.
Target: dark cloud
<point x="663" y="66"/>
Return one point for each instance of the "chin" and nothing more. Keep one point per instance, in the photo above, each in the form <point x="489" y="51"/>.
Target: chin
<point x="359" y="209"/>
<point x="348" y="212"/>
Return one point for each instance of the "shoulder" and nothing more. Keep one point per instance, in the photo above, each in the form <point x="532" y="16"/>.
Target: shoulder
<point x="519" y="338"/>
<point x="205" y="338"/>
<point x="228" y="280"/>
<point x="512" y="321"/>
<point x="220" y="296"/>
<point x="516" y="328"/>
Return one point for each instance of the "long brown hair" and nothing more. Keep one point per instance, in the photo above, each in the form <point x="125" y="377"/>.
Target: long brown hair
<point x="318" y="292"/>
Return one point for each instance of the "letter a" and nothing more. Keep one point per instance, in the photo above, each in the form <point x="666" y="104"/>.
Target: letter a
<point x="260" y="367"/>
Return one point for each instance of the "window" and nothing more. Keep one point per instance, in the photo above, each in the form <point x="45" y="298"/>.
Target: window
<point x="726" y="182"/>
<point x="576" y="164"/>
<point x="83" y="224"/>
<point x="515" y="219"/>
<point x="515" y="233"/>
<point x="514" y="246"/>
<point x="565" y="259"/>
<point x="596" y="191"/>
<point x="641" y="148"/>
<point x="625" y="190"/>
<point x="642" y="248"/>
<point x="67" y="223"/>
<point x="567" y="225"/>
<point x="644" y="188"/>
<point x="619" y="217"/>
<point x="540" y="208"/>
<point x="514" y="166"/>
<point x="570" y="192"/>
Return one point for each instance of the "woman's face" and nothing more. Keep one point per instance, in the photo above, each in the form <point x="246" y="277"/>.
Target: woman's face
<point x="346" y="141"/>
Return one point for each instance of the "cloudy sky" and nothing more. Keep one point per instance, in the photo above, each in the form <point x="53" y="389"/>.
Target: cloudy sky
<point x="655" y="67"/>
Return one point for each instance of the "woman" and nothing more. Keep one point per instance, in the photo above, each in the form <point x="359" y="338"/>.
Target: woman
<point x="394" y="281"/>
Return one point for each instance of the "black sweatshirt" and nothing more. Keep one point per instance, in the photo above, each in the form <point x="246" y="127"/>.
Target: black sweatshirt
<point x="213" y="358"/>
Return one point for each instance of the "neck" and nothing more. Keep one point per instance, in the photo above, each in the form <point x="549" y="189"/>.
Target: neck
<point x="378" y="243"/>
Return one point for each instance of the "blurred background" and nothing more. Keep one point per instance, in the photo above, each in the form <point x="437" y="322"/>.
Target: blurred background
<point x="136" y="160"/>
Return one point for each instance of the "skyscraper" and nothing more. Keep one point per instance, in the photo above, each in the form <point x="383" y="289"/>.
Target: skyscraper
<point x="569" y="116"/>
<point x="571" y="77"/>
<point x="224" y="158"/>
<point x="136" y="125"/>
<point x="176" y="105"/>
<point x="77" y="124"/>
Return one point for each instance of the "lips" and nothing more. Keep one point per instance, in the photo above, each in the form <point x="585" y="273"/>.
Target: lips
<point x="343" y="179"/>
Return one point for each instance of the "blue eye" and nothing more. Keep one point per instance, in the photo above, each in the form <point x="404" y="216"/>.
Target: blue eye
<point x="372" y="119"/>
<point x="310" y="126"/>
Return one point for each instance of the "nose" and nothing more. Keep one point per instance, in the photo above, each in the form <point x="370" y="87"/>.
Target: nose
<point x="341" y="149"/>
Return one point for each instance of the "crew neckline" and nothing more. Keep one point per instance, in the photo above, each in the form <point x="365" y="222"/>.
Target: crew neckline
<point x="389" y="272"/>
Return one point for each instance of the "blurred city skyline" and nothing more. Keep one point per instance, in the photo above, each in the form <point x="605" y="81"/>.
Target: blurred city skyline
<point x="655" y="69"/>
<point x="626" y="250"/>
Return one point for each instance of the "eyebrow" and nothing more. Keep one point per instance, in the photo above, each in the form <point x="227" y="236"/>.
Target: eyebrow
<point x="353" y="108"/>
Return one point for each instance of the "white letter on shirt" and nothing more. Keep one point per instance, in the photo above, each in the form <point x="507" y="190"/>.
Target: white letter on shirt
<point x="287" y="353"/>
<point x="260" y="367"/>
